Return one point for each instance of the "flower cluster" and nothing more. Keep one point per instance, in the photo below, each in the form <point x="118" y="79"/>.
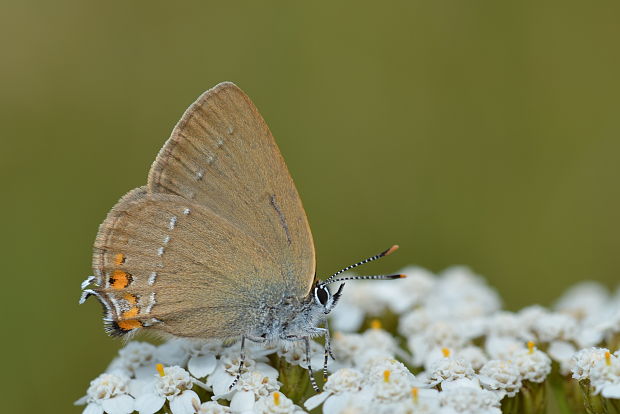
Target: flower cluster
<point x="425" y="344"/>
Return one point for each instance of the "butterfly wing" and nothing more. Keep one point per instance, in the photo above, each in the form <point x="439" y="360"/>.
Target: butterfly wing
<point x="218" y="230"/>
<point x="222" y="155"/>
<point x="165" y="262"/>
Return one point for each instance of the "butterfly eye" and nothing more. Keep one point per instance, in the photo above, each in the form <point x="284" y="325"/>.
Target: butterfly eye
<point x="322" y="295"/>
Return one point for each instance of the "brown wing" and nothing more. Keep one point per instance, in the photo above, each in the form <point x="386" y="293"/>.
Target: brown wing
<point x="166" y="262"/>
<point x="222" y="155"/>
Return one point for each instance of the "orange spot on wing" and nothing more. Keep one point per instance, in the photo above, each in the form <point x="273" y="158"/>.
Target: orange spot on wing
<point x="131" y="299"/>
<point x="130" y="324"/>
<point x="131" y="313"/>
<point x="119" y="259"/>
<point x="120" y="279"/>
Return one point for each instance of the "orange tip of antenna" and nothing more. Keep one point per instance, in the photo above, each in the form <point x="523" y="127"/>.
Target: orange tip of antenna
<point x="402" y="276"/>
<point x="160" y="369"/>
<point x="391" y="250"/>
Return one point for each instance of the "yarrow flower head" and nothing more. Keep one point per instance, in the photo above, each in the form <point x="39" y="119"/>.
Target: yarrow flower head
<point x="276" y="403"/>
<point x="108" y="393"/>
<point x="210" y="407"/>
<point x="136" y="359"/>
<point x="584" y="360"/>
<point x="534" y="365"/>
<point x="172" y="384"/>
<point x="603" y="373"/>
<point x="470" y="400"/>
<point x="449" y="369"/>
<point x="467" y="355"/>
<point x="345" y="381"/>
<point x="501" y="376"/>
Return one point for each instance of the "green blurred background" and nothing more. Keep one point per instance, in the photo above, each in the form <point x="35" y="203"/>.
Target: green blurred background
<point x="470" y="132"/>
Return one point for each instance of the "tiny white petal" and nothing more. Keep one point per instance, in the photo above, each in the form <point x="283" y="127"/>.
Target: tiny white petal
<point x="459" y="383"/>
<point x="267" y="370"/>
<point x="81" y="401"/>
<point x="242" y="401"/>
<point x="316" y="400"/>
<point x="182" y="404"/>
<point x="611" y="391"/>
<point x="139" y="387"/>
<point x="93" y="409"/>
<point x="337" y="403"/>
<point x="121" y="404"/>
<point x="220" y="381"/>
<point x="201" y="366"/>
<point x="149" y="403"/>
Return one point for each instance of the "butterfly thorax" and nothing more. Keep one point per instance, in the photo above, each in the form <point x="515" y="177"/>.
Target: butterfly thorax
<point x="287" y="319"/>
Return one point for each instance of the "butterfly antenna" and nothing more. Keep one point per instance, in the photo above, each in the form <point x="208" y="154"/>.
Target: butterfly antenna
<point x="370" y="259"/>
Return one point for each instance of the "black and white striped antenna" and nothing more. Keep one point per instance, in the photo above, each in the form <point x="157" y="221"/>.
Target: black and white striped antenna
<point x="387" y="252"/>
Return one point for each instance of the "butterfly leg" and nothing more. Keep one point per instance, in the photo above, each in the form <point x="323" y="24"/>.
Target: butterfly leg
<point x="241" y="362"/>
<point x="328" y="350"/>
<point x="312" y="380"/>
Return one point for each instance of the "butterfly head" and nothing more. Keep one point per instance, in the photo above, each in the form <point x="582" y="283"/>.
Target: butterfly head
<point x="324" y="298"/>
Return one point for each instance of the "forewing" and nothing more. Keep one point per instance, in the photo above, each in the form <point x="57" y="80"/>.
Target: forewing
<point x="221" y="155"/>
<point x="164" y="262"/>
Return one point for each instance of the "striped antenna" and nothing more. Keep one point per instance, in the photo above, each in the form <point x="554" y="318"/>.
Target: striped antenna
<point x="370" y="259"/>
<point x="376" y="277"/>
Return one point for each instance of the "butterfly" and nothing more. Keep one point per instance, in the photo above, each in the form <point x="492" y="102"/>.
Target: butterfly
<point x="216" y="245"/>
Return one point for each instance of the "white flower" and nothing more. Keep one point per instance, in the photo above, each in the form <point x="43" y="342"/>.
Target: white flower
<point x="347" y="316"/>
<point x="344" y="381"/>
<point x="211" y="407"/>
<point x="534" y="365"/>
<point x="203" y="362"/>
<point x="583" y="299"/>
<point x="508" y="324"/>
<point x="472" y="354"/>
<point x="470" y="400"/>
<point x="605" y="376"/>
<point x="228" y="367"/>
<point x="108" y="393"/>
<point x="346" y="346"/>
<point x="202" y="355"/>
<point x="449" y="369"/>
<point x="349" y="403"/>
<point x="502" y="347"/>
<point x="437" y="335"/>
<point x="295" y="353"/>
<point x="554" y="327"/>
<point x="173" y="352"/>
<point x="136" y="359"/>
<point x="276" y="403"/>
<point x="530" y="314"/>
<point x="173" y="384"/>
<point x="583" y="360"/>
<point x="444" y="334"/>
<point x="414" y="322"/>
<point x="503" y="376"/>
<point x="562" y="352"/>
<point x="376" y="343"/>
<point x="389" y="381"/>
<point x="592" y="333"/>
<point x="422" y="401"/>
<point x="403" y="294"/>
<point x="459" y="293"/>
<point x="252" y="385"/>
